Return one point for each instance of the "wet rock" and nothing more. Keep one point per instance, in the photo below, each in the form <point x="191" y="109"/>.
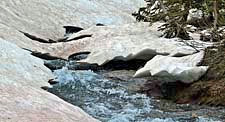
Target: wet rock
<point x="22" y="99"/>
<point x="150" y="86"/>
<point x="52" y="82"/>
<point x="125" y="76"/>
<point x="71" y="63"/>
<point x="170" y="89"/>
<point x="55" y="64"/>
<point x="83" y="66"/>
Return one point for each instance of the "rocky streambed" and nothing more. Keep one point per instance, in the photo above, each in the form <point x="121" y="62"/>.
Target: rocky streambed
<point x="115" y="96"/>
<point x="104" y="93"/>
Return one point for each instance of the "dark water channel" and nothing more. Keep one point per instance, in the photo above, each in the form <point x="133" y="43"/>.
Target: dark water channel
<point x="111" y="97"/>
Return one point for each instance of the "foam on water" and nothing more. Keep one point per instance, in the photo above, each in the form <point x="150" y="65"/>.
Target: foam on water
<point x="103" y="99"/>
<point x="106" y="100"/>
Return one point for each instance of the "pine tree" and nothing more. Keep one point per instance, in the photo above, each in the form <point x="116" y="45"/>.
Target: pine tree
<point x="175" y="15"/>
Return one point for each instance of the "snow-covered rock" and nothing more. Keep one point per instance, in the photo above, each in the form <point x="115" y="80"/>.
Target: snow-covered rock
<point x="21" y="97"/>
<point x="172" y="69"/>
<point x="194" y="14"/>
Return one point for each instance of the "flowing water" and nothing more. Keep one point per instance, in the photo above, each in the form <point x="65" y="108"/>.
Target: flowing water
<point x="111" y="100"/>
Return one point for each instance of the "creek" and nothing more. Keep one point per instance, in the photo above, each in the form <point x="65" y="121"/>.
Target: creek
<point x="111" y="96"/>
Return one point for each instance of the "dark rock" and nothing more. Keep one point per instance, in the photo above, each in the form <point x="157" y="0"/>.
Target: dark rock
<point x="148" y="85"/>
<point x="45" y="56"/>
<point x="170" y="89"/>
<point x="124" y="65"/>
<point x="52" y="81"/>
<point x="204" y="37"/>
<point x="55" y="64"/>
<point x="152" y="88"/>
<point x="83" y="66"/>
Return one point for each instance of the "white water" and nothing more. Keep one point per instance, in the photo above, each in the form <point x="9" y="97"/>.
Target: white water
<point x="109" y="101"/>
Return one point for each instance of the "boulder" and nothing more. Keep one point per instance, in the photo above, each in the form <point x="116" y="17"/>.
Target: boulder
<point x="22" y="99"/>
<point x="45" y="19"/>
<point x="194" y="14"/>
<point x="173" y="69"/>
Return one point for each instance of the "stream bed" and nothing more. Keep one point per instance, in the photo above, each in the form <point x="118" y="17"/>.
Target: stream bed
<point x="110" y="98"/>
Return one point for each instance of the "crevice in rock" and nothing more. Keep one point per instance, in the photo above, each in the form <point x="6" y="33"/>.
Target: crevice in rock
<point x="45" y="88"/>
<point x="79" y="56"/>
<point x="100" y="24"/>
<point x="35" y="38"/>
<point x="64" y="39"/>
<point x="72" y="64"/>
<point x="52" y="81"/>
<point x="124" y="65"/>
<point x="45" y="56"/>
<point x="80" y="37"/>
<point x="72" y="29"/>
<point x="68" y="31"/>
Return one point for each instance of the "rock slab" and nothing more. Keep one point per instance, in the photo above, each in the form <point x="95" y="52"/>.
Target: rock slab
<point x="45" y="18"/>
<point x="126" y="42"/>
<point x="22" y="99"/>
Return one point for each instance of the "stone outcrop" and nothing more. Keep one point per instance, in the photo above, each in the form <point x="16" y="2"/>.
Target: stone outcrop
<point x="22" y="99"/>
<point x="127" y="42"/>
<point x="45" y="19"/>
<point x="174" y="69"/>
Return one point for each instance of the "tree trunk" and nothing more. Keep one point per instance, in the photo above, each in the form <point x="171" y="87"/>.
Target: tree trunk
<point x="215" y="12"/>
<point x="162" y="6"/>
<point x="187" y="6"/>
<point x="215" y="9"/>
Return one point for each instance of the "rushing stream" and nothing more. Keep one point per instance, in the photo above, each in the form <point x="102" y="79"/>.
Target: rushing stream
<point x="110" y="100"/>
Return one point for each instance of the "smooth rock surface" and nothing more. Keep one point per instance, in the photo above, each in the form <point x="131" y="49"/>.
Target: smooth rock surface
<point x="172" y="69"/>
<point x="19" y="68"/>
<point x="126" y="42"/>
<point x="46" y="18"/>
<point x="131" y="41"/>
<point x="22" y="99"/>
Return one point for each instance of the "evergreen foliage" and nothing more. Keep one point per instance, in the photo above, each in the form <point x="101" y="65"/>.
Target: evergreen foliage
<point x="175" y="15"/>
